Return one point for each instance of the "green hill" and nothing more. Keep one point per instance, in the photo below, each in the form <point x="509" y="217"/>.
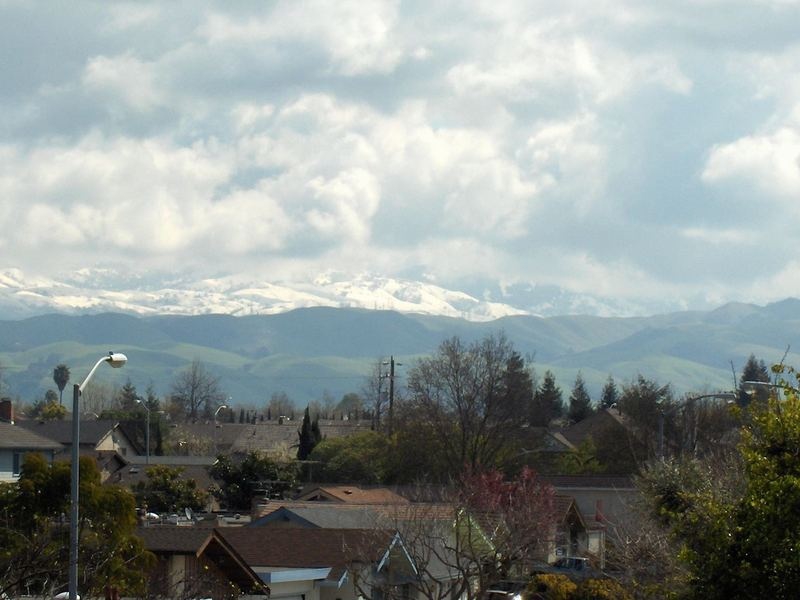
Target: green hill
<point x="308" y="352"/>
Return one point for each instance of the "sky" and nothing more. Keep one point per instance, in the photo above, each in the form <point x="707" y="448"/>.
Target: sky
<point x="636" y="151"/>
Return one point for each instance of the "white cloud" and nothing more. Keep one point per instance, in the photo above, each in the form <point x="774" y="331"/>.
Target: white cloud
<point x="770" y="162"/>
<point x="357" y="36"/>
<point x="126" y="78"/>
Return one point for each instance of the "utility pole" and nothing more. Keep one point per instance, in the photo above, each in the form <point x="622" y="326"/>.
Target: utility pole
<point x="391" y="364"/>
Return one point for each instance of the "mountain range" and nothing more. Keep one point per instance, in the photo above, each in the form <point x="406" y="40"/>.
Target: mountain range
<point x="310" y="351"/>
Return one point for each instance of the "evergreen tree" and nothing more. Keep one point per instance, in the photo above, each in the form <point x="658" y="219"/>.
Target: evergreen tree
<point x="517" y="384"/>
<point x="610" y="395"/>
<point x="241" y="415"/>
<point x="580" y="404"/>
<point x="547" y="402"/>
<point x="128" y="397"/>
<point x="754" y="370"/>
<point x="306" y="442"/>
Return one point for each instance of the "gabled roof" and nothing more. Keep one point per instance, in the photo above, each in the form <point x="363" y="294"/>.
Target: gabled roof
<point x="14" y="437"/>
<point x="92" y="432"/>
<point x="352" y="494"/>
<point x="594" y="425"/>
<point x="299" y="548"/>
<point x="196" y="541"/>
<point x="317" y="514"/>
<point x="168" y="539"/>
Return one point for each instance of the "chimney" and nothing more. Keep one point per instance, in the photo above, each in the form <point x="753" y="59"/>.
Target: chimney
<point x="6" y="411"/>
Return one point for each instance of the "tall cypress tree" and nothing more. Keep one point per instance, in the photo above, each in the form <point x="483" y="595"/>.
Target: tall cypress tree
<point x="306" y="441"/>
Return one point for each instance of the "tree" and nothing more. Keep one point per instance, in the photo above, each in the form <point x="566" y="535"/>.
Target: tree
<point x="581" y="461"/>
<point x="466" y="393"/>
<point x="128" y="398"/>
<point x="375" y="393"/>
<point x="196" y="392"/>
<point x="306" y="440"/>
<point x="642" y="403"/>
<point x="280" y="405"/>
<point x="753" y="370"/>
<point x="165" y="490"/>
<point x="363" y="457"/>
<point x="580" y="404"/>
<point x="61" y="378"/>
<point x="34" y="539"/>
<point x="256" y="475"/>
<point x="547" y="403"/>
<point x="739" y="522"/>
<point x="610" y="394"/>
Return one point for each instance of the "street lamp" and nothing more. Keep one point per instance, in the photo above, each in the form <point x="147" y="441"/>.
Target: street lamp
<point x="751" y="386"/>
<point x="730" y="396"/>
<point x="216" y="412"/>
<point x="146" y="432"/>
<point x="116" y="360"/>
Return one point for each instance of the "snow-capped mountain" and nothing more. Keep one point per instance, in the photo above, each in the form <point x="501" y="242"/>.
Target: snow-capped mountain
<point x="92" y="291"/>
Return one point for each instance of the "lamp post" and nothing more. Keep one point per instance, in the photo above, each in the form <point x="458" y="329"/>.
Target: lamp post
<point x="146" y="431"/>
<point x="752" y="386"/>
<point x="216" y="412"/>
<point x="730" y="396"/>
<point x="116" y="360"/>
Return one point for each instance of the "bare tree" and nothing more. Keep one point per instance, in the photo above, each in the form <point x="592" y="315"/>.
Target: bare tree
<point x="196" y="391"/>
<point x="474" y="396"/>
<point x="375" y="394"/>
<point x="280" y="405"/>
<point x="485" y="528"/>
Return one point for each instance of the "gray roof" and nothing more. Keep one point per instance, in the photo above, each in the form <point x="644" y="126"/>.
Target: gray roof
<point x="92" y="432"/>
<point x="18" y="438"/>
<point x="323" y="516"/>
<point x="173" y="461"/>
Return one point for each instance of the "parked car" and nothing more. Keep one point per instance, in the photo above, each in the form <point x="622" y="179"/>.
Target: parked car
<point x="506" y="590"/>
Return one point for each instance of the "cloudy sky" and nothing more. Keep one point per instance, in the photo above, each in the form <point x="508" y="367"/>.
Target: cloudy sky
<point x="629" y="150"/>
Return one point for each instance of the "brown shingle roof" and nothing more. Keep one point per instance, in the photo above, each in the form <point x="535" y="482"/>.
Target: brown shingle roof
<point x="173" y="539"/>
<point x="307" y="548"/>
<point x="352" y="494"/>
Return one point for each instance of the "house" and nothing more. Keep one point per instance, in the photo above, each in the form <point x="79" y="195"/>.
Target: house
<point x="601" y="498"/>
<point x="575" y="535"/>
<point x="195" y="562"/>
<point x="323" y="515"/>
<point x="102" y="435"/>
<point x="16" y="442"/>
<point x="617" y="444"/>
<point x="194" y="468"/>
<point x="325" y="564"/>
<point x="352" y="494"/>
<point x="102" y="440"/>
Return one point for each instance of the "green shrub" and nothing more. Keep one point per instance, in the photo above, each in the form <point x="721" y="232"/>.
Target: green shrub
<point x="600" y="589"/>
<point x="553" y="587"/>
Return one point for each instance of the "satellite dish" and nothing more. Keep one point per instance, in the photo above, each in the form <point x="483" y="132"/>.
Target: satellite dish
<point x="188" y="512"/>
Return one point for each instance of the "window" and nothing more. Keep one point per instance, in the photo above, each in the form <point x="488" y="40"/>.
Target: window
<point x="17" y="463"/>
